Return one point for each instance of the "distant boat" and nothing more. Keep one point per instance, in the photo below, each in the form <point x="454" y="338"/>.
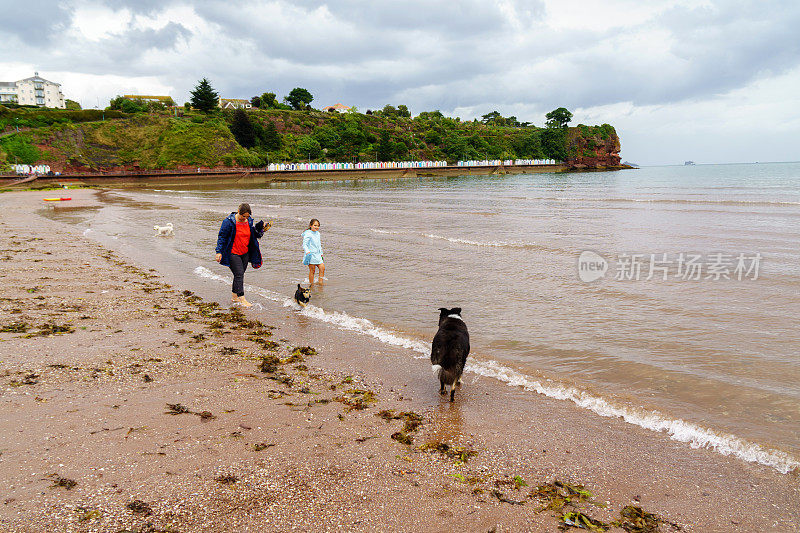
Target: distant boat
<point x="688" y="163"/>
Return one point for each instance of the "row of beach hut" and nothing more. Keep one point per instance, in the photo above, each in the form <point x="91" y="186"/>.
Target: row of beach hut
<point x="402" y="164"/>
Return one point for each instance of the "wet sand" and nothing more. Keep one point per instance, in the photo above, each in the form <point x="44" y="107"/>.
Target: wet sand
<point x="290" y="449"/>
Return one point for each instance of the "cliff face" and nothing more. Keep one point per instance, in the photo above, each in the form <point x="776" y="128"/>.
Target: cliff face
<point x="593" y="147"/>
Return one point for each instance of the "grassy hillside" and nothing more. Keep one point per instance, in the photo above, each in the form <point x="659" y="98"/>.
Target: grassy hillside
<point x="149" y="141"/>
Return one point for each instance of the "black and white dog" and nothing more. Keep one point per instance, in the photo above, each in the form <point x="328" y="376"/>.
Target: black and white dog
<point x="450" y="350"/>
<point x="301" y="295"/>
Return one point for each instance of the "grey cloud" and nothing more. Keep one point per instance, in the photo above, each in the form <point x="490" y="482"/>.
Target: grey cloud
<point x="28" y="22"/>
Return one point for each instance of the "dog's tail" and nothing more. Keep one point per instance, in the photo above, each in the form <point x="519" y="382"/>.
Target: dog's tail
<point x="437" y="370"/>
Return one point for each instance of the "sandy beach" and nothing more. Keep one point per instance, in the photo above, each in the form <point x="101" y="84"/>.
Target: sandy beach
<point x="130" y="404"/>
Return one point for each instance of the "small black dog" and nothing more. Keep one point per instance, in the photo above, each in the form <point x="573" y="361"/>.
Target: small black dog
<point x="450" y="350"/>
<point x="301" y="295"/>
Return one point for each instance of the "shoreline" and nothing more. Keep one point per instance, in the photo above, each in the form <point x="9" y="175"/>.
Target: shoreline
<point x="316" y="468"/>
<point x="263" y="177"/>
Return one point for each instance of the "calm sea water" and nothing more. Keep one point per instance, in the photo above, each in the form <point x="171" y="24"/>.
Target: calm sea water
<point x="713" y="362"/>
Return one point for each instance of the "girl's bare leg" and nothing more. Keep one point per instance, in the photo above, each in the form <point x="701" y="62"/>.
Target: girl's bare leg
<point x="321" y="267"/>
<point x="311" y="274"/>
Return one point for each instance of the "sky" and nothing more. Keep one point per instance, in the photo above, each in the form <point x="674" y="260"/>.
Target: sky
<point x="708" y="81"/>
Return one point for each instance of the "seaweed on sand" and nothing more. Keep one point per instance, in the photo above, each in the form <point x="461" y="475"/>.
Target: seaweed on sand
<point x="634" y="519"/>
<point x="556" y="495"/>
<point x="502" y="497"/>
<point x="582" y="521"/>
<point x="226" y="479"/>
<point x="460" y="454"/>
<point x="304" y="350"/>
<point x="29" y="379"/>
<point x="227" y="350"/>
<point x="269" y="364"/>
<point x="51" y="329"/>
<point x="176" y="409"/>
<point x="59" y="481"/>
<point x="357" y="399"/>
<point x="411" y="423"/>
<point x="14" y="327"/>
<point x="140" y="507"/>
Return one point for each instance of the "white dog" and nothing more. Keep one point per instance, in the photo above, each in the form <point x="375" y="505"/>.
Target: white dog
<point x="164" y="231"/>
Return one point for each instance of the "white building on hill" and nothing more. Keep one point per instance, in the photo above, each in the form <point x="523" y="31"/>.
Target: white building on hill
<point x="32" y="91"/>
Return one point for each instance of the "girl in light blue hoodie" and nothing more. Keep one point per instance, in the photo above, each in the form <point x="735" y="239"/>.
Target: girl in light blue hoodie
<point x="312" y="246"/>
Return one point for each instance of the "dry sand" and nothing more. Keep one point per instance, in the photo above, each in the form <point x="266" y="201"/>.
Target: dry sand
<point x="291" y="449"/>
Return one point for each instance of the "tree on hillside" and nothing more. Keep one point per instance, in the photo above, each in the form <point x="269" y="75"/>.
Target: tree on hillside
<point x="72" y="105"/>
<point x="554" y="143"/>
<point x="271" y="139"/>
<point x="242" y="129"/>
<point x="299" y="98"/>
<point x="491" y="118"/>
<point x="402" y="111"/>
<point x="268" y="100"/>
<point x="308" y="147"/>
<point x="384" y="147"/>
<point x="255" y="101"/>
<point x="204" y="97"/>
<point x="558" y="118"/>
<point x="136" y="105"/>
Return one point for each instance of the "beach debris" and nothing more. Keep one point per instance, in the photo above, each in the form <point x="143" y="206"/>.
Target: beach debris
<point x="261" y="446"/>
<point x="59" y="481"/>
<point x="634" y="519"/>
<point x="269" y="364"/>
<point x="139" y="507"/>
<point x="357" y="399"/>
<point x="176" y="409"/>
<point x="14" y="327"/>
<point x="88" y="514"/>
<point x="51" y="329"/>
<point x="205" y="416"/>
<point x="228" y="350"/>
<point x="582" y="521"/>
<point x="304" y="350"/>
<point x="294" y="358"/>
<point x="557" y="494"/>
<point x="411" y="423"/>
<point x="517" y="482"/>
<point x="199" y="337"/>
<point x="147" y="379"/>
<point x="29" y="379"/>
<point x="460" y="454"/>
<point x="403" y="438"/>
<point x="501" y="497"/>
<point x="226" y="479"/>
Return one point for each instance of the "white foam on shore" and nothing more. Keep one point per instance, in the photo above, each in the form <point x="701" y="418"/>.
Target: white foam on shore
<point x="455" y="240"/>
<point x="498" y="244"/>
<point x="677" y="429"/>
<point x="341" y="320"/>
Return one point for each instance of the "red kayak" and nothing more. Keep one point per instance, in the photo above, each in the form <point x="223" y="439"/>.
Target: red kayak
<point x="62" y="199"/>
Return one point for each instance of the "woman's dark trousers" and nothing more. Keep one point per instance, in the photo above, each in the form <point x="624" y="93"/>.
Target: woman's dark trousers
<point x="238" y="266"/>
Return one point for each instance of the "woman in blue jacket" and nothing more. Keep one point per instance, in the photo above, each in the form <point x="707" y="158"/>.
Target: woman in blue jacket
<point x="237" y="245"/>
<point x="312" y="247"/>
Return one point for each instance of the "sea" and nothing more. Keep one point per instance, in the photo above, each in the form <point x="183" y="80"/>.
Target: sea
<point x="666" y="296"/>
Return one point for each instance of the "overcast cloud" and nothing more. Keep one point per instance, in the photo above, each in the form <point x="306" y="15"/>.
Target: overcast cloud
<point x="712" y="81"/>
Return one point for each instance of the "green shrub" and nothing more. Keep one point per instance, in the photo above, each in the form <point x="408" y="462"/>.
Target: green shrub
<point x="19" y="149"/>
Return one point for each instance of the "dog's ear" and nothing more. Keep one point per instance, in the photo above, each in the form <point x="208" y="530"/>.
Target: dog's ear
<point x="455" y="311"/>
<point x="442" y="310"/>
<point x="298" y="286"/>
